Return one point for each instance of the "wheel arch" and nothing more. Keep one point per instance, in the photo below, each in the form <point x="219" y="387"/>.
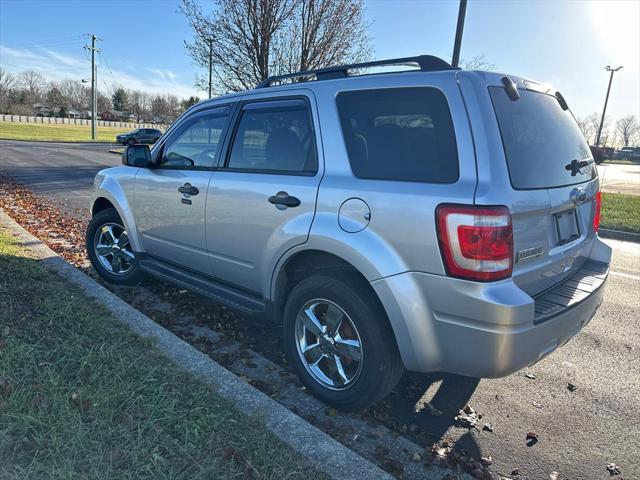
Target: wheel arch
<point x="302" y="263"/>
<point x="110" y="194"/>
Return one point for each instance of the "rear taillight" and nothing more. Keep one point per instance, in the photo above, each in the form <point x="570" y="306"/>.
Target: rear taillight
<point x="476" y="242"/>
<point x="596" y="211"/>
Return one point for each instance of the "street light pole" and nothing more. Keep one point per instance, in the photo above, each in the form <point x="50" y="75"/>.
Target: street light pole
<point x="606" y="100"/>
<point x="210" y="63"/>
<point x="462" y="11"/>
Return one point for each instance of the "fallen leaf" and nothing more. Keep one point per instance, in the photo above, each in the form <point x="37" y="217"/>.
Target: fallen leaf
<point x="530" y="376"/>
<point x="554" y="475"/>
<point x="228" y="453"/>
<point x="532" y="438"/>
<point x="613" y="469"/>
<point x="488" y="427"/>
<point x="5" y="387"/>
<point x="82" y="404"/>
<point x="571" y="387"/>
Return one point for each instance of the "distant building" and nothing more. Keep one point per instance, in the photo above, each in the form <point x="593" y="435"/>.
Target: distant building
<point x="43" y="110"/>
<point x="112" y="115"/>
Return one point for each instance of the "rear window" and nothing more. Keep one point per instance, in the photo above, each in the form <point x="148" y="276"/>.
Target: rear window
<point x="540" y="141"/>
<point x="401" y="134"/>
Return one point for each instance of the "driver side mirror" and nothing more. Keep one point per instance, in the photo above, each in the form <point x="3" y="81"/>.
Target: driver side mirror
<point x="137" y="156"/>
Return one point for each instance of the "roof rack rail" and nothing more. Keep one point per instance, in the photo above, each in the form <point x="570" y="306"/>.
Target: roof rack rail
<point x="427" y="63"/>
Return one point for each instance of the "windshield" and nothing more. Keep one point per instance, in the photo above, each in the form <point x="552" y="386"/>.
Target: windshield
<point x="543" y="143"/>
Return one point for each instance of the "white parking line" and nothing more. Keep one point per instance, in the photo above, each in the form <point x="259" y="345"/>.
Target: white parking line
<point x="625" y="275"/>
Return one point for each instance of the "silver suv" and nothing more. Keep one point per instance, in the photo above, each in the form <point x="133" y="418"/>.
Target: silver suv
<point x="430" y="220"/>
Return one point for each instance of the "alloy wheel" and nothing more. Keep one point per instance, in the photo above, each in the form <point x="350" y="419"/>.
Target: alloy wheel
<point x="328" y="344"/>
<point x="113" y="249"/>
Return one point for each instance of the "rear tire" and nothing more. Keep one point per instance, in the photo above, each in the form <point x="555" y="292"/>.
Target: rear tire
<point x="116" y="264"/>
<point x="347" y="384"/>
<point x="131" y="142"/>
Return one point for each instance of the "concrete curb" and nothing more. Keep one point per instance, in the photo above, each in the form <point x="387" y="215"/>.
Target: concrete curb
<point x="315" y="446"/>
<point x="619" y="235"/>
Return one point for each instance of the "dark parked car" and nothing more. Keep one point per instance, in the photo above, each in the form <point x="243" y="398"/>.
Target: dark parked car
<point x="628" y="153"/>
<point x="600" y="154"/>
<point x="139" y="135"/>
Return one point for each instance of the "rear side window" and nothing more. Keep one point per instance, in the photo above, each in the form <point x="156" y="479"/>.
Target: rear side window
<point x="275" y="137"/>
<point x="540" y="140"/>
<point x="401" y="134"/>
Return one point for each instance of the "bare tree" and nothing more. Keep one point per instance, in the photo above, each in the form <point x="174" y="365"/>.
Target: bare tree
<point x="322" y="33"/>
<point x="76" y="94"/>
<point x="628" y="128"/>
<point x="585" y="127"/>
<point x="479" y="62"/>
<point x="594" y="123"/>
<point x="249" y="40"/>
<point x="140" y="103"/>
<point x="34" y="83"/>
<point x="7" y="83"/>
<point x="103" y="101"/>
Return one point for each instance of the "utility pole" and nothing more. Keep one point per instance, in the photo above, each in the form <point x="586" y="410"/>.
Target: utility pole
<point x="210" y="63"/>
<point x="462" y="11"/>
<point x="94" y="80"/>
<point x="606" y="100"/>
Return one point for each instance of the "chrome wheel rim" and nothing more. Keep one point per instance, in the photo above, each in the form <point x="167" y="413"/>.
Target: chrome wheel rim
<point x="328" y="344"/>
<point x="113" y="249"/>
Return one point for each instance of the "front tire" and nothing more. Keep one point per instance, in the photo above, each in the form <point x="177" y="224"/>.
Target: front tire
<point x="338" y="339"/>
<point x="109" y="249"/>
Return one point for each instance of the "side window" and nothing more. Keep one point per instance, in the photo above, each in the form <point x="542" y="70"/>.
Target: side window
<point x="401" y="134"/>
<point x="275" y="136"/>
<point x="195" y="144"/>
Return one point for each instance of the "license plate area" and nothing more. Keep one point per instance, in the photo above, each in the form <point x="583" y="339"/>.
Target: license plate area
<point x="567" y="226"/>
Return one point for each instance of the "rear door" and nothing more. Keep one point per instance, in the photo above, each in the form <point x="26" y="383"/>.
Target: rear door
<point x="262" y="200"/>
<point x="553" y="184"/>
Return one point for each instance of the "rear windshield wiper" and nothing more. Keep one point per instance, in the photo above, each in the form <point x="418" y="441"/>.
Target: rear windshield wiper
<point x="575" y="166"/>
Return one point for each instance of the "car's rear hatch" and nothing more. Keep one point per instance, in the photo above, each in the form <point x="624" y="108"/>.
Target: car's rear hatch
<point x="552" y="181"/>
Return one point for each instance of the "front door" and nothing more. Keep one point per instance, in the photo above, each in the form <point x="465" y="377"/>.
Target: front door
<point x="262" y="199"/>
<point x="170" y="200"/>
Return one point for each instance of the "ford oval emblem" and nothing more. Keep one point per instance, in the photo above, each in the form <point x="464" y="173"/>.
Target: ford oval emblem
<point x="578" y="196"/>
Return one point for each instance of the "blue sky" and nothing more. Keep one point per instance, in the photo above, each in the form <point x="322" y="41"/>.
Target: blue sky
<point x="565" y="43"/>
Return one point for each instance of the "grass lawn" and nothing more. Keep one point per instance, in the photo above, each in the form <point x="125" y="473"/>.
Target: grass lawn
<point x="45" y="132"/>
<point x="620" y="212"/>
<point x="83" y="397"/>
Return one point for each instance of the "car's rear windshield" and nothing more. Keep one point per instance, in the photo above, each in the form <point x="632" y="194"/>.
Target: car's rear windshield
<point x="401" y="134"/>
<point x="540" y="141"/>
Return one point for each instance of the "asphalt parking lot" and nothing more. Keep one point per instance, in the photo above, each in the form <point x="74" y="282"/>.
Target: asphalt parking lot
<point x="580" y="430"/>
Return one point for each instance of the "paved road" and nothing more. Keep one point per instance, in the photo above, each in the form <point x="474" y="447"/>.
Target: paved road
<point x="580" y="431"/>
<point x="63" y="172"/>
<point x="618" y="178"/>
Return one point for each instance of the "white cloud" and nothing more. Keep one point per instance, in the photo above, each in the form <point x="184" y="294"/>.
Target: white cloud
<point x="57" y="66"/>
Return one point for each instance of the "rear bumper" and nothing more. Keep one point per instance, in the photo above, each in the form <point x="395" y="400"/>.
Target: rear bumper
<point x="488" y="329"/>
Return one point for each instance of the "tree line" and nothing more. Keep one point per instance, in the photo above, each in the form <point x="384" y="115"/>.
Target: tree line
<point x="20" y="93"/>
<point x="623" y="132"/>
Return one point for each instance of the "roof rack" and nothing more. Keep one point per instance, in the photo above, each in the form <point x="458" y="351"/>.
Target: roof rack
<point x="427" y="63"/>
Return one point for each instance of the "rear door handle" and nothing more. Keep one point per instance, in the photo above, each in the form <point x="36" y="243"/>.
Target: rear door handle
<point x="188" y="189"/>
<point x="284" y="199"/>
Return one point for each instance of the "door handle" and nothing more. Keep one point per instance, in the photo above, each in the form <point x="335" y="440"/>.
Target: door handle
<point x="284" y="199"/>
<point x="188" y="189"/>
